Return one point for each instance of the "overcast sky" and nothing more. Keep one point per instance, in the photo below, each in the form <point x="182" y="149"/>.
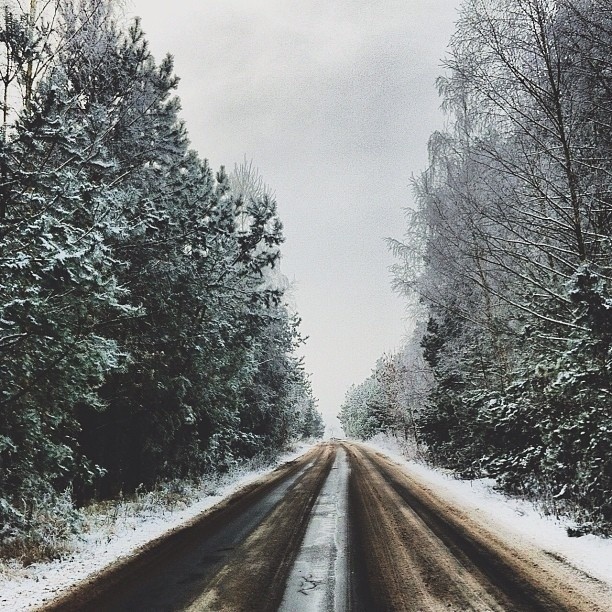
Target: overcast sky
<point x="333" y="101"/>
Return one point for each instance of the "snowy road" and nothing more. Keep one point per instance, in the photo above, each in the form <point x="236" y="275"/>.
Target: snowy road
<point x="341" y="528"/>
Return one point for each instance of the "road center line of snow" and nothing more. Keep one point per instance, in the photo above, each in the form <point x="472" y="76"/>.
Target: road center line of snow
<point x="319" y="577"/>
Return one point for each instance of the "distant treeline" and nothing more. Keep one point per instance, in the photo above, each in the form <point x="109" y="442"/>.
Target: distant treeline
<point x="508" y="260"/>
<point x="143" y="332"/>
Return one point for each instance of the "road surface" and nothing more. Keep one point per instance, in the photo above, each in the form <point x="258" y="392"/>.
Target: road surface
<point x="342" y="528"/>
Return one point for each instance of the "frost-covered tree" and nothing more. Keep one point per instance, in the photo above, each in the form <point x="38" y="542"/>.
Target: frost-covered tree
<point x="143" y="329"/>
<point x="58" y="292"/>
<point x="391" y="399"/>
<point x="512" y="251"/>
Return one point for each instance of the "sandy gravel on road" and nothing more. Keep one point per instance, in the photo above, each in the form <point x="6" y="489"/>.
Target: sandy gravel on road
<point x="424" y="553"/>
<point x="405" y="547"/>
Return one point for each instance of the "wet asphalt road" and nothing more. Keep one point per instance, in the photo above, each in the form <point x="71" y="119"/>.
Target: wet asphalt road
<point x="344" y="529"/>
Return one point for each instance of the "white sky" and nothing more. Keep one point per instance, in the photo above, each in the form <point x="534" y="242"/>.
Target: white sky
<point x="334" y="101"/>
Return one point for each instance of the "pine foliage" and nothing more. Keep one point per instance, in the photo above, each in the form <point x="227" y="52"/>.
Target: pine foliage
<point x="143" y="331"/>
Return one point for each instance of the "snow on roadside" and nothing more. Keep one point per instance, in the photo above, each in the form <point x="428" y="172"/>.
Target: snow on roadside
<point x="31" y="587"/>
<point x="519" y="519"/>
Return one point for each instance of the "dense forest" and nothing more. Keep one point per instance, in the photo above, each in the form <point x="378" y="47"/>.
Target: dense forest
<point x="143" y="331"/>
<point x="507" y="261"/>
